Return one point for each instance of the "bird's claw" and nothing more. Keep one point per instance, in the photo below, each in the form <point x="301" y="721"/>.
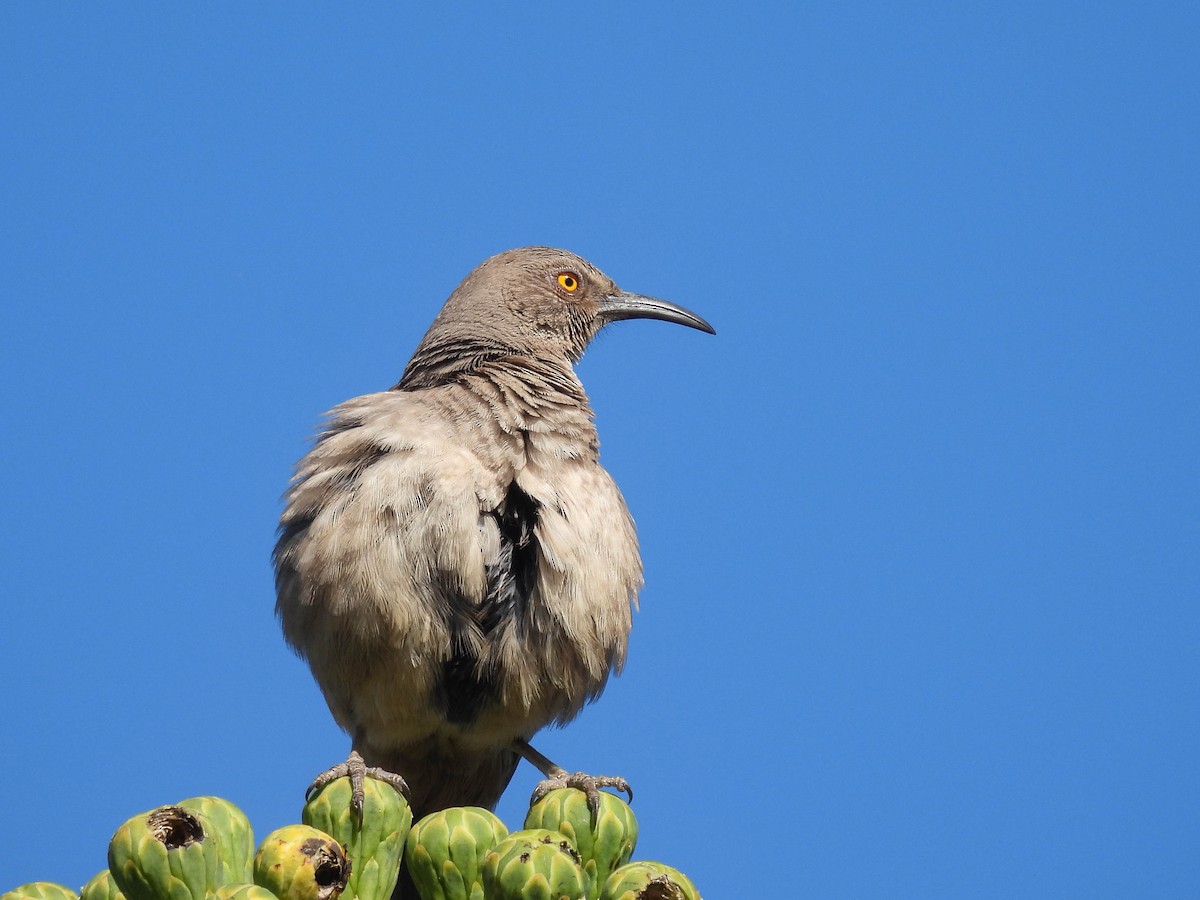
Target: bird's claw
<point x="589" y="784"/>
<point x="356" y="770"/>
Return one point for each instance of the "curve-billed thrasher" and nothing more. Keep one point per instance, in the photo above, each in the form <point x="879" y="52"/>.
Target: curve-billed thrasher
<point x="453" y="562"/>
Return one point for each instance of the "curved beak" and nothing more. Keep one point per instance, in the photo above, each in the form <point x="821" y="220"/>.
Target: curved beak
<point x="623" y="305"/>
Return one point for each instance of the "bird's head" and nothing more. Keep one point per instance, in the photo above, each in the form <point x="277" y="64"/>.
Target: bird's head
<point x="544" y="302"/>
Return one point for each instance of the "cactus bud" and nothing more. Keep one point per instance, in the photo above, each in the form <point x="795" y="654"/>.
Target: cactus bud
<point x="604" y="844"/>
<point x="242" y="891"/>
<point x="648" y="881"/>
<point x="40" y="890"/>
<point x="101" y="887"/>
<point x="298" y="862"/>
<point x="164" y="854"/>
<point x="375" y="846"/>
<point x="446" y="850"/>
<point x="536" y="864"/>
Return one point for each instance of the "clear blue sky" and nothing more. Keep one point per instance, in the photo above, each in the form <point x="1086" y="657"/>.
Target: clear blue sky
<point x="921" y="524"/>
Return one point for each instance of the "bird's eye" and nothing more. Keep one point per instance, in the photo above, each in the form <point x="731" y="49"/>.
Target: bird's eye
<point x="569" y="282"/>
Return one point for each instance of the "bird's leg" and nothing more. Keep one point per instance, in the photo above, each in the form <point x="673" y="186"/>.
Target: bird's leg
<point x="558" y="777"/>
<point x="356" y="770"/>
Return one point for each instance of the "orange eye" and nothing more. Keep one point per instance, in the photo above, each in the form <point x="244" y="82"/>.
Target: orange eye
<point x="569" y="281"/>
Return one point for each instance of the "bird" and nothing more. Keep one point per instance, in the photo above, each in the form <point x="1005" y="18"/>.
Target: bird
<point x="452" y="561"/>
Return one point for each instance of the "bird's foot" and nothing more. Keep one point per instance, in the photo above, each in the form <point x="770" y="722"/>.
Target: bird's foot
<point x="356" y="770"/>
<point x="589" y="784"/>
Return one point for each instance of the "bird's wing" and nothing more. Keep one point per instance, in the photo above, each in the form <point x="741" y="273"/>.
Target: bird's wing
<point x="381" y="556"/>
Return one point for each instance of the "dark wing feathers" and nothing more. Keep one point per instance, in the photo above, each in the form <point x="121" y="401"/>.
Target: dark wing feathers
<point x="467" y="685"/>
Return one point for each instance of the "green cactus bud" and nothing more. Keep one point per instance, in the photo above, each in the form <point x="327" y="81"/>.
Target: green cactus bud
<point x="536" y="864"/>
<point x="242" y="891"/>
<point x="375" y="846"/>
<point x="232" y="832"/>
<point x="446" y="850"/>
<point x="101" y="887"/>
<point x="604" y="844"/>
<point x="40" y="890"/>
<point x="165" y="854"/>
<point x="298" y="862"/>
<point x="644" y="880"/>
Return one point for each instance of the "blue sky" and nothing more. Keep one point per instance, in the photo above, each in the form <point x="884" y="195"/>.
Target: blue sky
<point x="921" y="523"/>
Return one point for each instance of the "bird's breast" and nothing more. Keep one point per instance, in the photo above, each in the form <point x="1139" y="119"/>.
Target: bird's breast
<point x="443" y="577"/>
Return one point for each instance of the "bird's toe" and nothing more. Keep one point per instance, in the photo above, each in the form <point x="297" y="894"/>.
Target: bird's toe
<point x="356" y="770"/>
<point x="589" y="784"/>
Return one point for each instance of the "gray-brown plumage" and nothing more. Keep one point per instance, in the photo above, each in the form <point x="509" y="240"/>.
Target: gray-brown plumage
<point x="453" y="562"/>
